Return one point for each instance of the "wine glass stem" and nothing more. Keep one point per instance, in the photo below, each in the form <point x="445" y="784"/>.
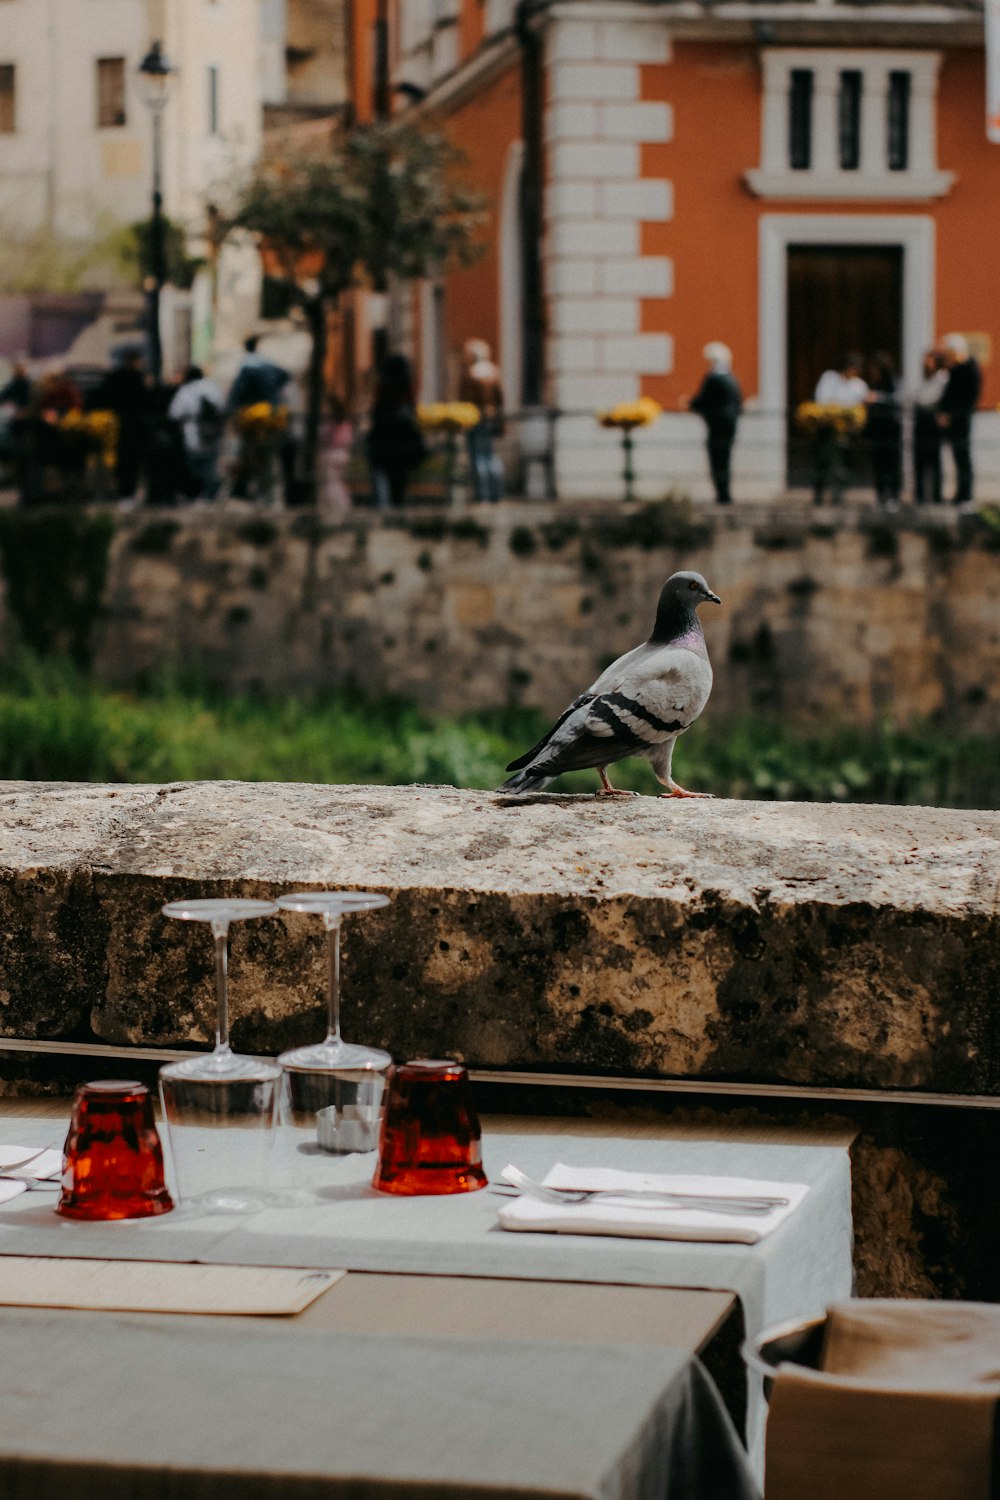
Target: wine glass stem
<point x="333" y="978"/>
<point x="220" y="931"/>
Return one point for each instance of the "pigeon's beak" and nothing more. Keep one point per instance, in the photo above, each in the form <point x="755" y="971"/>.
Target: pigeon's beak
<point x="714" y="597"/>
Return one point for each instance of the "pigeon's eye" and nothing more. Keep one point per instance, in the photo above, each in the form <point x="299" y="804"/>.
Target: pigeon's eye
<point x="692" y="585"/>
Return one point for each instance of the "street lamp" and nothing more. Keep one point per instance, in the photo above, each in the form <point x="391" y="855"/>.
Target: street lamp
<point x="155" y="73"/>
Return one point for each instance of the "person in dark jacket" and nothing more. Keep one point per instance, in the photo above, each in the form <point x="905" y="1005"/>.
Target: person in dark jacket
<point x="124" y="391"/>
<point x="926" y="432"/>
<point x="395" y="443"/>
<point x="956" y="407"/>
<point x="257" y="379"/>
<point x="884" y="429"/>
<point x="719" y="402"/>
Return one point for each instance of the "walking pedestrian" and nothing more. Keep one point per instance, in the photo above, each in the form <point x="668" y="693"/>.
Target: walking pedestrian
<point x="259" y="381"/>
<point x="199" y="411"/>
<point x="124" y="391"/>
<point x="956" y="407"/>
<point x="480" y="385"/>
<point x="719" y="401"/>
<point x="926" y="430"/>
<point x="395" y="443"/>
<point x="884" y="430"/>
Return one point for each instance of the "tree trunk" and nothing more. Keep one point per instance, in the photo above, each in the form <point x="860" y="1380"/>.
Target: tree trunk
<point x="315" y="310"/>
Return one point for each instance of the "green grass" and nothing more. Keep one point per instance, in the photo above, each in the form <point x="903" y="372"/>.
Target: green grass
<point x="56" y="724"/>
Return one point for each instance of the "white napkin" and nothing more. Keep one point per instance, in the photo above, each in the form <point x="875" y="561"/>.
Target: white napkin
<point x="47" y="1164"/>
<point x="637" y="1220"/>
<point x="43" y="1169"/>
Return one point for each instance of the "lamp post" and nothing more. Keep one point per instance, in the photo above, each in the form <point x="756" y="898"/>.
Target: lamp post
<point x="155" y="73"/>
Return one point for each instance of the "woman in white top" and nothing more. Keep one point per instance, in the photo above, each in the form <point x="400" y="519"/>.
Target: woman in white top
<point x="199" y="410"/>
<point x="831" y="454"/>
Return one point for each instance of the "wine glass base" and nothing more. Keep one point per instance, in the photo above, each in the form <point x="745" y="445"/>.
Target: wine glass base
<point x="222" y="1067"/>
<point x="335" y="1057"/>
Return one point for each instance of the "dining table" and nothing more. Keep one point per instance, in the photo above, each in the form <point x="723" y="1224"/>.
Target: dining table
<point x="453" y="1357"/>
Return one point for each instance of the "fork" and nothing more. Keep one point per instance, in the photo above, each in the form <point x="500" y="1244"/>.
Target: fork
<point x="12" y="1168"/>
<point x="719" y="1203"/>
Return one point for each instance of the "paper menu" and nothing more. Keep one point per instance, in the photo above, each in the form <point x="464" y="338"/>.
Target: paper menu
<point x="159" y="1286"/>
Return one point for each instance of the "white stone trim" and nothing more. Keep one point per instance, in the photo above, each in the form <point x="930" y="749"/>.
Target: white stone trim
<point x="914" y="232"/>
<point x="802" y="186"/>
<point x="596" y="158"/>
<point x="641" y="276"/>
<point x="648" y="199"/>
<point x="597" y="202"/>
<point x="593" y="82"/>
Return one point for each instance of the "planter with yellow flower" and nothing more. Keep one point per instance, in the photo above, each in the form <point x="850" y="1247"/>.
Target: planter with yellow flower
<point x="626" y="417"/>
<point x="261" y="428"/>
<point x="833" y="431"/>
<point x="813" y="417"/>
<point x="89" y="442"/>
<point x="452" y="418"/>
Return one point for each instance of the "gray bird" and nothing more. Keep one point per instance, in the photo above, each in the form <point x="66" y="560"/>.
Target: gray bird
<point x="638" y="706"/>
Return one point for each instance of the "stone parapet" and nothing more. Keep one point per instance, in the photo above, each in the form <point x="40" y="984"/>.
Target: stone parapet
<point x="818" y="945"/>
<point x="825" y="616"/>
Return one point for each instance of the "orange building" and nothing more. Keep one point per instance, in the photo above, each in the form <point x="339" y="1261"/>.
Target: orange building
<point x="795" y="180"/>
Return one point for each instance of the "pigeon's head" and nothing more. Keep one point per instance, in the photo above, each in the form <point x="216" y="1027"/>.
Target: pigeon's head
<point x="677" y="610"/>
<point x="688" y="589"/>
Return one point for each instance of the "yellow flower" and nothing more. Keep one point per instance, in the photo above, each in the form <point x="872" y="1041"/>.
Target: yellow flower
<point x="448" y="416"/>
<point x="816" y="416"/>
<point x="262" y="418"/>
<point x="629" y="414"/>
<point x="100" y="426"/>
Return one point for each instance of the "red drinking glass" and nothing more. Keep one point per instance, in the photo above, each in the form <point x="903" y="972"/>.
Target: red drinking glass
<point x="112" y="1159"/>
<point x="430" y="1134"/>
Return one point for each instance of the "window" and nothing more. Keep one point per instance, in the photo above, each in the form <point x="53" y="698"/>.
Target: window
<point x="110" y="92"/>
<point x="850" y="123"/>
<point x="8" y="99"/>
<point x="898" y="123"/>
<point x="213" y="100"/>
<point x="849" y="120"/>
<point x="800" y="96"/>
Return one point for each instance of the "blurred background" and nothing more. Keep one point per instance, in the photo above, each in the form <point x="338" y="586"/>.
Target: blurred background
<point x="366" y="365"/>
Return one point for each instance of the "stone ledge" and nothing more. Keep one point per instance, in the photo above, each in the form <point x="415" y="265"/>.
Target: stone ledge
<point x="801" y="943"/>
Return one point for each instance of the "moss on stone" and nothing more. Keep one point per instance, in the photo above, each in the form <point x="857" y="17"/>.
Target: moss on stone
<point x="55" y="564"/>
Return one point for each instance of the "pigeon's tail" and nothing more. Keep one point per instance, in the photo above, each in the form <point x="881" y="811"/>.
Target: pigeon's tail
<point x="526" y="781"/>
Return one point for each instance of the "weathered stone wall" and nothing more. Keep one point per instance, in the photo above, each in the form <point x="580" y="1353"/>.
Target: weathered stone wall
<point x="816" y="945"/>
<point x="823" y="614"/>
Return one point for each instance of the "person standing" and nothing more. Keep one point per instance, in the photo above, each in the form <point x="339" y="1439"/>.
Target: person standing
<point x="843" y="388"/>
<point x="884" y="430"/>
<point x="395" y="444"/>
<point x="926" y="431"/>
<point x="956" y="407"/>
<point x="124" y="391"/>
<point x="719" y="401"/>
<point x="259" y="381"/>
<point x="480" y="385"/>
<point x="199" y="410"/>
<point x="15" y="405"/>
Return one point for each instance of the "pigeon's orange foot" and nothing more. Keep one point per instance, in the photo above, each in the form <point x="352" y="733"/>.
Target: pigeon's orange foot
<point x="678" y="791"/>
<point x="607" y="790"/>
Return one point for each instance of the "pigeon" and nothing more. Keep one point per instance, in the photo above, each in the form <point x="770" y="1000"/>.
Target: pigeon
<point x="638" y="706"/>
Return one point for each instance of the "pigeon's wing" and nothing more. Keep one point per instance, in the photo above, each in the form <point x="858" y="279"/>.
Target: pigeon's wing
<point x="651" y="702"/>
<point x="529" y="755"/>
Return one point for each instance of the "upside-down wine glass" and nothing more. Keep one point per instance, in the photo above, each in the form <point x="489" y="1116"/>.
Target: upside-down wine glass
<point x="221" y="1108"/>
<point x="332" y="1092"/>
